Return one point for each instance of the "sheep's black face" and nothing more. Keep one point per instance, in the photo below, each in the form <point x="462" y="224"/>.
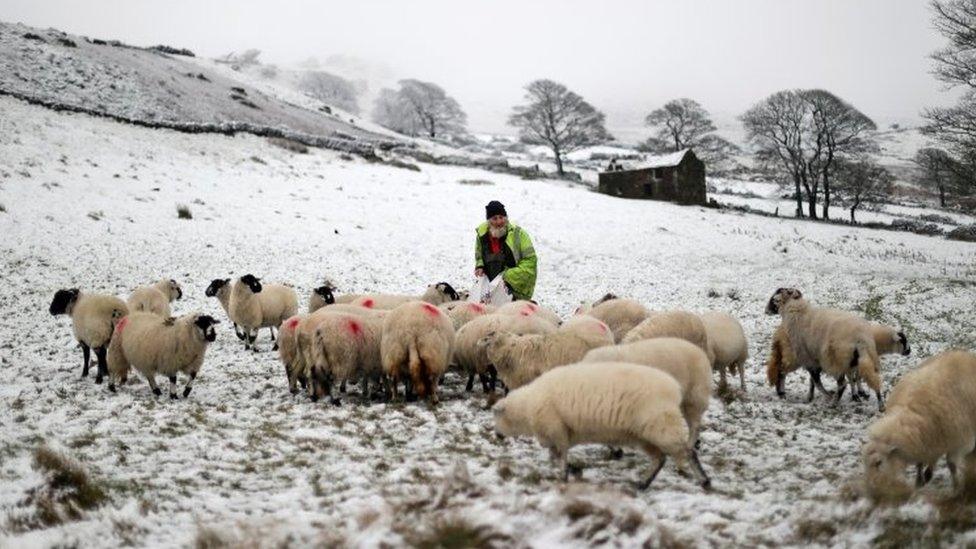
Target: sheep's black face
<point x="605" y="298"/>
<point x="215" y="286"/>
<point x="206" y="323"/>
<point x="252" y="282"/>
<point x="62" y="300"/>
<point x="903" y="340"/>
<point x="325" y="292"/>
<point x="448" y="290"/>
<point x="780" y="297"/>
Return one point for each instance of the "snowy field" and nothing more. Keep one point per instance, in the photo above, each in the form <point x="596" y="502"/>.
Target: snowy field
<point x="92" y="204"/>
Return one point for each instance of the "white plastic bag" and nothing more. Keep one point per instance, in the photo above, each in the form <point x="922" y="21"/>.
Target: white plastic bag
<point x="491" y="292"/>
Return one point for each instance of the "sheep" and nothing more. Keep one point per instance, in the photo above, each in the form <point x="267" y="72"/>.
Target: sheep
<point x="594" y="331"/>
<point x="346" y="347"/>
<point x="519" y="359"/>
<point x="220" y="288"/>
<point x="93" y="318"/>
<point x="687" y="363"/>
<point x="320" y="297"/>
<point x="156" y="298"/>
<point x="529" y="308"/>
<point x="473" y="359"/>
<point x="462" y="312"/>
<point x="621" y="315"/>
<point x="602" y="402"/>
<point x="442" y="292"/>
<point x="680" y="324"/>
<point x="155" y="345"/>
<point x="837" y="342"/>
<point x="728" y="345"/>
<point x="288" y="352"/>
<point x="254" y="306"/>
<point x="931" y="413"/>
<point x="417" y="341"/>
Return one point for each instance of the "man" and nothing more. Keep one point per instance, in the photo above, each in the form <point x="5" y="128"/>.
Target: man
<point x="502" y="247"/>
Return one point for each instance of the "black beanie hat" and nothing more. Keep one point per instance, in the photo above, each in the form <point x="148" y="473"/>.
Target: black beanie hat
<point x="495" y="208"/>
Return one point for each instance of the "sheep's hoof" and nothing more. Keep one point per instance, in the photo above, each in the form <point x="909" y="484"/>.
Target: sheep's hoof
<point x="98" y="380"/>
<point x="314" y="398"/>
<point x="335" y="402"/>
<point x="575" y="469"/>
<point x="84" y="373"/>
<point x="616" y="453"/>
<point x="707" y="485"/>
<point x="111" y="387"/>
<point x="275" y="348"/>
<point x="172" y="396"/>
<point x="293" y="390"/>
<point x="186" y="392"/>
<point x="157" y="391"/>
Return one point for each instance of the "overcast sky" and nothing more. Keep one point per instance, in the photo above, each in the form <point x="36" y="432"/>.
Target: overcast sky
<point x="625" y="57"/>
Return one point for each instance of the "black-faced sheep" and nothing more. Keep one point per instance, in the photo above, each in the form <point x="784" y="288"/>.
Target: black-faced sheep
<point x="320" y="297"/>
<point x="931" y="413"/>
<point x="254" y="305"/>
<point x="155" y="345"/>
<point x="156" y="298"/>
<point x="220" y="288"/>
<point x="442" y="292"/>
<point x="417" y="342"/>
<point x="610" y="403"/>
<point x="93" y="318"/>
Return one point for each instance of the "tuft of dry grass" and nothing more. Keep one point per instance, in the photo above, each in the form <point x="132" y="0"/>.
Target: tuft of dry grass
<point x="456" y="533"/>
<point x="65" y="495"/>
<point x="183" y="211"/>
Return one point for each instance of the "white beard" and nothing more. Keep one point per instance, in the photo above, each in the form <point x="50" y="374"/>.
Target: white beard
<point x="498" y="233"/>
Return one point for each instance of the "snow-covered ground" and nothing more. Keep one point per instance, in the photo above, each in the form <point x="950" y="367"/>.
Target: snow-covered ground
<point x="92" y="204"/>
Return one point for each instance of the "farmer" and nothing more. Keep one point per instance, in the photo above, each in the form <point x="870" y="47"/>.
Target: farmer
<point x="502" y="247"/>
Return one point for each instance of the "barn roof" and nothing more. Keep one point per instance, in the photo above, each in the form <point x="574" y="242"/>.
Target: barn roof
<point x="662" y="161"/>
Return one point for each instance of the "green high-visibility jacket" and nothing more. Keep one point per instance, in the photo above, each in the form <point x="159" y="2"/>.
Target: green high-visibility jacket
<point x="521" y="274"/>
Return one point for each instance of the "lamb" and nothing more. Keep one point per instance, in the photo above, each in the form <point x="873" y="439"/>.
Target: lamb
<point x="529" y="308"/>
<point x="680" y="324"/>
<point x="254" y="306"/>
<point x="473" y="359"/>
<point x="346" y="347"/>
<point x="442" y="292"/>
<point x="462" y="312"/>
<point x="521" y="358"/>
<point x="621" y="315"/>
<point x="93" y="318"/>
<point x="728" y="345"/>
<point x="155" y="345"/>
<point x="610" y="403"/>
<point x="931" y="413"/>
<point x="836" y="342"/>
<point x="685" y="362"/>
<point x="417" y="341"/>
<point x="156" y="298"/>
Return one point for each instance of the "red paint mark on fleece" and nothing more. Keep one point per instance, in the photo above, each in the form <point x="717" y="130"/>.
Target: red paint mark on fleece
<point x="434" y="312"/>
<point x="603" y="328"/>
<point x="121" y="324"/>
<point x="528" y="310"/>
<point x="354" y="328"/>
<point x="476" y="307"/>
<point x="292" y="322"/>
<point x="368" y="303"/>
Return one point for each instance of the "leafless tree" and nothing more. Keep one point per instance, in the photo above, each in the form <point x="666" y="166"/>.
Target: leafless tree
<point x="861" y="182"/>
<point x="681" y="122"/>
<point x="419" y="107"/>
<point x="331" y="89"/>
<point x="936" y="167"/>
<point x="391" y="111"/>
<point x="558" y="118"/>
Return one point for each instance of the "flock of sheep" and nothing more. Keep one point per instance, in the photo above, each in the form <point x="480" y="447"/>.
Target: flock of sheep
<point x="616" y="373"/>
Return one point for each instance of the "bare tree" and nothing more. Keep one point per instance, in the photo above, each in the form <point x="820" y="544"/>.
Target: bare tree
<point x="862" y="182"/>
<point x="331" y="89"/>
<point x="681" y="122"/>
<point x="936" y="171"/>
<point x="419" y="106"/>
<point x="556" y="117"/>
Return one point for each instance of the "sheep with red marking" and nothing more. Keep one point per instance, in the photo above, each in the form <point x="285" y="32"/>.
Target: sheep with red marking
<point x="472" y="358"/>
<point x="155" y="345"/>
<point x="442" y="292"/>
<point x="254" y="305"/>
<point x="528" y="308"/>
<point x="462" y="312"/>
<point x="417" y="342"/>
<point x="346" y="347"/>
<point x="156" y="298"/>
<point x="93" y="318"/>
<point x="288" y="352"/>
<point x="304" y="333"/>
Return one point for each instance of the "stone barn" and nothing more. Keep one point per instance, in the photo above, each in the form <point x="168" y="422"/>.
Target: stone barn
<point x="676" y="177"/>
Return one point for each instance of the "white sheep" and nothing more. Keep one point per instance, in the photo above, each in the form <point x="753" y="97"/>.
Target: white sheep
<point x="837" y="342"/>
<point x="442" y="292"/>
<point x="472" y="358"/>
<point x="290" y="354"/>
<point x="417" y="342"/>
<point x="462" y="312"/>
<point x="519" y="359"/>
<point x="685" y="362"/>
<point x="254" y="305"/>
<point x="156" y="298"/>
<point x="931" y="413"/>
<point x="621" y="315"/>
<point x="610" y="403"/>
<point x="728" y="345"/>
<point x="93" y="318"/>
<point x="679" y="324"/>
<point x="529" y="308"/>
<point x="346" y="347"/>
<point x="155" y="345"/>
<point x="220" y="288"/>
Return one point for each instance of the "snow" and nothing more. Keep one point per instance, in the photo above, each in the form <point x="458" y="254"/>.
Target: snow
<point x="242" y="459"/>
<point x="661" y="161"/>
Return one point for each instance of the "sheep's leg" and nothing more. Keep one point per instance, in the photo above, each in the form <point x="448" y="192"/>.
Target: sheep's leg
<point x="303" y="381"/>
<point x="781" y="385"/>
<point x="365" y="388"/>
<point x="923" y="474"/>
<point x="172" y="387"/>
<point x="742" y="377"/>
<point x="841" y="385"/>
<point x="813" y="387"/>
<point x="722" y="382"/>
<point x="561" y="459"/>
<point x="238" y="332"/>
<point x="485" y="386"/>
<point x="696" y="466"/>
<point x="189" y="384"/>
<point x="272" y="335"/>
<point x="102" y="371"/>
<point x="152" y="384"/>
<point x="393" y="388"/>
<point x="470" y="386"/>
<point x="342" y="387"/>
<point x="820" y="386"/>
<point x="86" y="354"/>
<point x="493" y="376"/>
<point x="952" y="472"/>
<point x="657" y="461"/>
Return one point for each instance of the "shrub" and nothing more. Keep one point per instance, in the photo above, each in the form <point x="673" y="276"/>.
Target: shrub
<point x="288" y="145"/>
<point x="966" y="233"/>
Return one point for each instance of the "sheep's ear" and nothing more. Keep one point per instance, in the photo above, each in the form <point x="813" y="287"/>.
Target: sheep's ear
<point x="772" y="307"/>
<point x="796" y="294"/>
